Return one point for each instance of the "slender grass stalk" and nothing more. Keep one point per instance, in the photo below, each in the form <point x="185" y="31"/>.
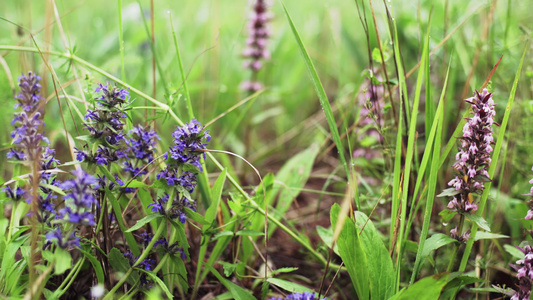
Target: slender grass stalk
<point x="121" y="40"/>
<point x="436" y="135"/>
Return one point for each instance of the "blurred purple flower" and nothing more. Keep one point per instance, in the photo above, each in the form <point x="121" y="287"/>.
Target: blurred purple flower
<point x="72" y="241"/>
<point x="298" y="296"/>
<point x="524" y="267"/>
<point x="256" y="51"/>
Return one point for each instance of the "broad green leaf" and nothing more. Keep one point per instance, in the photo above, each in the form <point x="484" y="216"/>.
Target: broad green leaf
<point x="327" y="237"/>
<point x="229" y="268"/>
<point x="515" y="252"/>
<point x="121" y="264"/>
<point x="352" y="254"/>
<point x="380" y="268"/>
<point x="435" y="242"/>
<point x="63" y="261"/>
<point x="143" y="221"/>
<point x="428" y="288"/>
<point x="482" y="223"/>
<point x="482" y="235"/>
<point x="449" y="192"/>
<point x="238" y="292"/>
<point x="288" y="285"/>
<point x="249" y="233"/>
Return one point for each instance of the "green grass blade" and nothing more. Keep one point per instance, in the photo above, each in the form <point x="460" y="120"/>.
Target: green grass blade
<point x="182" y="72"/>
<point x="494" y="162"/>
<point x="321" y="93"/>
<point x="410" y="148"/>
<point x="435" y="134"/>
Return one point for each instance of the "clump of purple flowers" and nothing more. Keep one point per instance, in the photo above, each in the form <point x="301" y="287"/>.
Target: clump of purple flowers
<point x="176" y="209"/>
<point x="77" y="211"/>
<point x="188" y="139"/>
<point x="524" y="267"/>
<point x="31" y="145"/>
<point x="140" y="149"/>
<point x="105" y="125"/>
<point x="256" y="51"/>
<point x="473" y="158"/>
<point x="82" y="198"/>
<point x="298" y="296"/>
<point x="28" y="123"/>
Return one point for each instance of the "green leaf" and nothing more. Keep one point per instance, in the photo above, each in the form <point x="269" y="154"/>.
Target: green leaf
<point x="229" y="268"/>
<point x="284" y="270"/>
<point x="216" y="194"/>
<point x="352" y="253"/>
<point x="380" y="267"/>
<point x="249" y="233"/>
<point x="136" y="184"/>
<point x="289" y="286"/>
<point x="428" y="288"/>
<point x="482" y="235"/>
<point x="236" y="291"/>
<point x="63" y="261"/>
<point x="515" y="252"/>
<point x="159" y="282"/>
<point x="108" y="174"/>
<point x="447" y="215"/>
<point x="482" y="223"/>
<point x="53" y="188"/>
<point x="191" y="214"/>
<point x="143" y="221"/>
<point x="435" y="242"/>
<point x="96" y="265"/>
<point x="121" y="264"/>
<point x="327" y="237"/>
<point x="449" y="192"/>
<point x="376" y="55"/>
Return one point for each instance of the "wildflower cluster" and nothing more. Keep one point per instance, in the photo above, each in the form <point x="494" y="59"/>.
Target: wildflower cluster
<point x="105" y="124"/>
<point x="524" y="267"/>
<point x="140" y="145"/>
<point x="27" y="136"/>
<point x="474" y="156"/>
<point x="473" y="159"/>
<point x="298" y="296"/>
<point x="255" y="51"/>
<point x="30" y="144"/>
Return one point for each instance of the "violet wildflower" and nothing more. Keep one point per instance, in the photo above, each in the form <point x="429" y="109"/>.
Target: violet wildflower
<point x="140" y="148"/>
<point x="188" y="139"/>
<point x="15" y="194"/>
<point x="28" y="123"/>
<point x="473" y="158"/>
<point x="81" y="196"/>
<point x="147" y="265"/>
<point x="298" y="296"/>
<point x="524" y="267"/>
<point x="72" y="241"/>
<point x="256" y="51"/>
<point x="105" y="124"/>
<point x="176" y="209"/>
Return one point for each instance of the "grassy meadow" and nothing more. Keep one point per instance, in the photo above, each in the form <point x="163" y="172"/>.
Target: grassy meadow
<point x="266" y="149"/>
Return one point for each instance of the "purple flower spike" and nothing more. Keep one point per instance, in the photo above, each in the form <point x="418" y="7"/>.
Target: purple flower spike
<point x="256" y="51"/>
<point x="524" y="267"/>
<point x="474" y="156"/>
<point x="81" y="196"/>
